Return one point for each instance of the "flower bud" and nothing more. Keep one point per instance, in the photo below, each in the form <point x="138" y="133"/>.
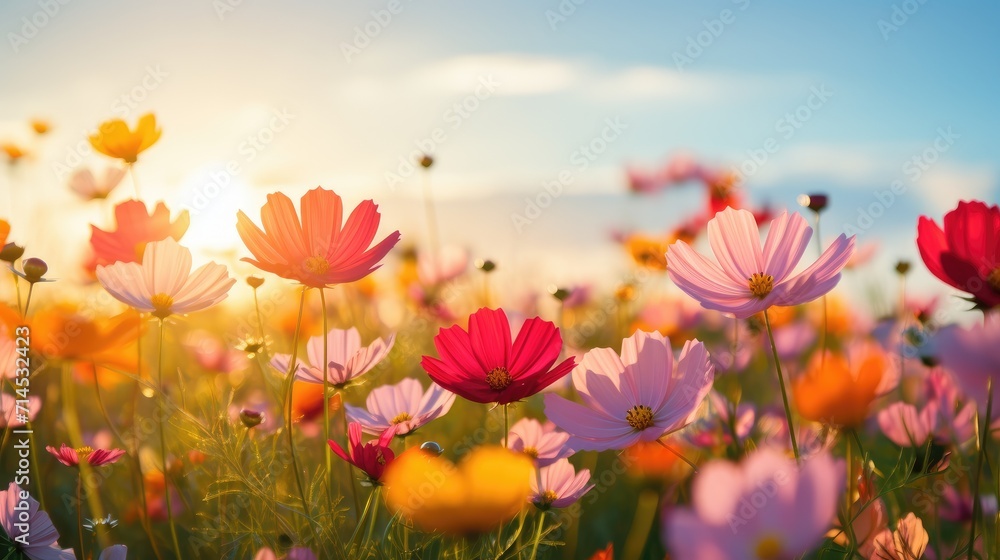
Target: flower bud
<point x="903" y="267"/>
<point x="255" y="281"/>
<point x="426" y="161"/>
<point x="34" y="269"/>
<point x="815" y="202"/>
<point x="11" y="252"/>
<point x="485" y="265"/>
<point x="251" y="418"/>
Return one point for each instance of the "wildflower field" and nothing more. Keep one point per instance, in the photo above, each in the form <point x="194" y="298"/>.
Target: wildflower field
<point x="510" y="281"/>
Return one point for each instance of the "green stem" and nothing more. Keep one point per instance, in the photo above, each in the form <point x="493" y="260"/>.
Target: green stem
<point x="361" y="518"/>
<point x="144" y="516"/>
<point x="641" y="523"/>
<point x="781" y="383"/>
<point x="373" y="517"/>
<point x="27" y="303"/>
<point x="79" y="512"/>
<point x="690" y="463"/>
<point x="327" y="452"/>
<point x="977" y="506"/>
<point x="538" y="536"/>
<point x="289" y="393"/>
<point x="163" y="443"/>
<point x="17" y="288"/>
<point x="506" y="424"/>
<point x="135" y="184"/>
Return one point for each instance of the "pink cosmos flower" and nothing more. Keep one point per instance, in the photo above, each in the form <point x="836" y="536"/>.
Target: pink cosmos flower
<point x="404" y="405"/>
<point x="371" y="457"/>
<point x="88" y="187"/>
<point x="320" y="250"/>
<point x="348" y="360"/>
<point x="905" y="426"/>
<point x="559" y="485"/>
<point x="542" y="442"/>
<point x="8" y="410"/>
<point x="164" y="284"/>
<point x="449" y="264"/>
<point x="641" y="396"/>
<point x="94" y="457"/>
<point x="748" y="279"/>
<point x="296" y="553"/>
<point x="907" y="542"/>
<point x="40" y="542"/>
<point x="715" y="428"/>
<point x="483" y="365"/>
<point x="972" y="355"/>
<point x="765" y="507"/>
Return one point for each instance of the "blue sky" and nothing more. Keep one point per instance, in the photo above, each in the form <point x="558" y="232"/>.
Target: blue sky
<point x="218" y="76"/>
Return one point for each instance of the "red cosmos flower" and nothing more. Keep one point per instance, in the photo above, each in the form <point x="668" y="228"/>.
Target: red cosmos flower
<point x="483" y="366"/>
<point x="320" y="250"/>
<point x="95" y="457"/>
<point x="135" y="229"/>
<point x="966" y="253"/>
<point x="371" y="457"/>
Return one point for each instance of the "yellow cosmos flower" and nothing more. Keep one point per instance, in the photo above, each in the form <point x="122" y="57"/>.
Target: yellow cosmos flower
<point x="115" y="139"/>
<point x="488" y="487"/>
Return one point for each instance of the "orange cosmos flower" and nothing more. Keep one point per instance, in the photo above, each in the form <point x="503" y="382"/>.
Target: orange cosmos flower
<point x="62" y="332"/>
<point x="489" y="487"/>
<point x="135" y="228"/>
<point x="320" y="251"/>
<point x="840" y="389"/>
<point x="646" y="251"/>
<point x="13" y="151"/>
<point x="115" y="138"/>
<point x="40" y="126"/>
<point x="4" y="232"/>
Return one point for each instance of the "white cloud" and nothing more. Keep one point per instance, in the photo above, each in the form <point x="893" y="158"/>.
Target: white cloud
<point x="945" y="183"/>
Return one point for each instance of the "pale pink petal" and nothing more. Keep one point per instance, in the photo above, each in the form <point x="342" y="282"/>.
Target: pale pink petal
<point x="819" y="278"/>
<point x="787" y="239"/>
<point x="735" y="241"/>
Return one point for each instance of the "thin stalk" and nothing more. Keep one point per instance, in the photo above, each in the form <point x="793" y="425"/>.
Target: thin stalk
<point x="645" y="512"/>
<point x="823" y="332"/>
<point x="977" y="506"/>
<point x="71" y="417"/>
<point x="327" y="452"/>
<point x="163" y="443"/>
<point x="506" y="424"/>
<point x="260" y="326"/>
<point x="373" y="516"/>
<point x="135" y="184"/>
<point x="79" y="512"/>
<point x="781" y="383"/>
<point x="538" y="536"/>
<point x="364" y="514"/>
<point x="432" y="229"/>
<point x="291" y="387"/>
<point x="144" y="516"/>
<point x="17" y="288"/>
<point x="679" y="456"/>
<point x="27" y="303"/>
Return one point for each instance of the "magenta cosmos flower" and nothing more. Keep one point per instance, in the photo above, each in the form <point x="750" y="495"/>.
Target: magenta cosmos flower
<point x="766" y="507"/>
<point x="747" y="278"/>
<point x="483" y="365"/>
<point x="94" y="457"/>
<point x="320" y="250"/>
<point x="35" y="537"/>
<point x="542" y="442"/>
<point x="164" y="284"/>
<point x="641" y="396"/>
<point x="559" y="485"/>
<point x="347" y="358"/>
<point x="371" y="457"/>
<point x="404" y="405"/>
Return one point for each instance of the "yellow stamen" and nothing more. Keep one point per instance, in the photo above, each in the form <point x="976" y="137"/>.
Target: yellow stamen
<point x="400" y="418"/>
<point x="768" y="548"/>
<point x="547" y="498"/>
<point x="161" y="305"/>
<point x="639" y="417"/>
<point x="761" y="284"/>
<point x="499" y="379"/>
<point x="530" y="452"/>
<point x="316" y="265"/>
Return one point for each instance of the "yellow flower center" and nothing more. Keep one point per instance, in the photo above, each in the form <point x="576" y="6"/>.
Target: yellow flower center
<point x="768" y="548"/>
<point x="530" y="452"/>
<point x="161" y="305"/>
<point x="547" y="498"/>
<point x="400" y="418"/>
<point x="993" y="279"/>
<point x="639" y="417"/>
<point x="317" y="265"/>
<point x="83" y="452"/>
<point x="761" y="284"/>
<point x="499" y="379"/>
